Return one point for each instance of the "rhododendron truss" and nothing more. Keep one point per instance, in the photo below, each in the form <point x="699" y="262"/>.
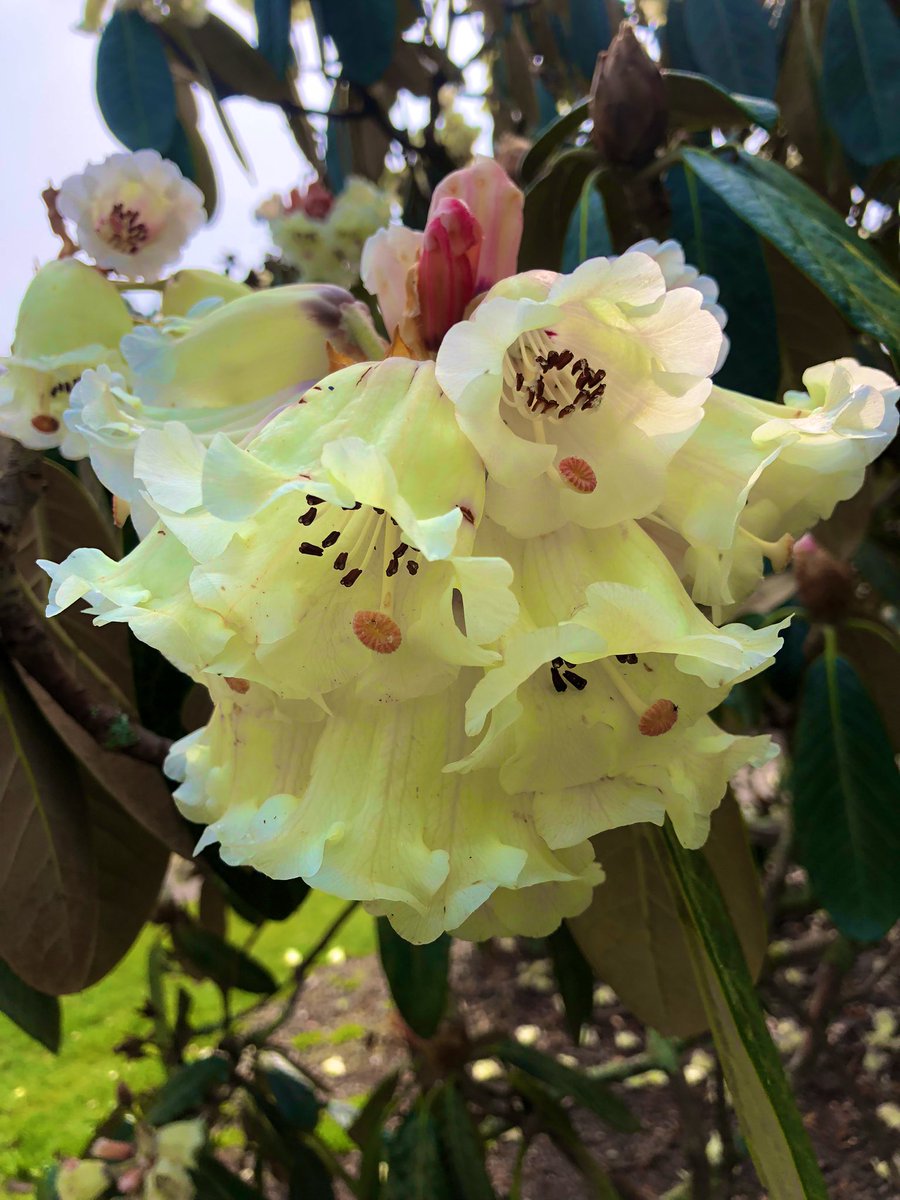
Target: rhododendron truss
<point x="440" y="600"/>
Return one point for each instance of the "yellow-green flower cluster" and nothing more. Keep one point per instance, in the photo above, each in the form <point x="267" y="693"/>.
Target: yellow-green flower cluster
<point x="446" y="601"/>
<point x="155" y="1166"/>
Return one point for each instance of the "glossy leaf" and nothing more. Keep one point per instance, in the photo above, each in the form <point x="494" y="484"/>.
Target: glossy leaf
<point x="549" y="204"/>
<point x="462" y="1145"/>
<point x="773" y="1128"/>
<point x="588" y="235"/>
<point x="225" y="964"/>
<point x="273" y="22"/>
<point x="134" y="83"/>
<point x="363" y="32"/>
<point x="34" y="1012"/>
<point x="551" y="138"/>
<point x="861" y="78"/>
<point x="632" y="933"/>
<point x="847" y="800"/>
<point x="590" y="1093"/>
<point x="417" y="977"/>
<point x="215" y="1182"/>
<point x="294" y="1102"/>
<point x="676" y="50"/>
<point x="574" y="979"/>
<point x="187" y="1088"/>
<point x="234" y="67"/>
<point x="811" y="235"/>
<point x="415" y="1169"/>
<point x="697" y="103"/>
<point x="367" y="1131"/>
<point x="587" y="32"/>
<point x="188" y="150"/>
<point x="799" y="95"/>
<point x="718" y="242"/>
<point x="733" y="43"/>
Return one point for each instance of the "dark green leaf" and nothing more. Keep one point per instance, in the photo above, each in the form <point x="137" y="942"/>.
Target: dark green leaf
<point x="187" y="1088"/>
<point x="697" y="103"/>
<point x="632" y="933"/>
<point x="35" y="1013"/>
<point x="550" y="139"/>
<point x="310" y="1178"/>
<point x="772" y="1126"/>
<point x="463" y="1147"/>
<point x="255" y="896"/>
<point x="861" y="78"/>
<point x="574" y="978"/>
<point x="134" y="84"/>
<point x="215" y="958"/>
<point x="549" y="204"/>
<point x="880" y="568"/>
<point x="235" y="68"/>
<point x="588" y="235"/>
<point x="417" y="977"/>
<point x="847" y="800"/>
<point x="812" y="235"/>
<point x="363" y="32"/>
<point x="567" y="1081"/>
<point x="273" y="21"/>
<point x="294" y="1102"/>
<point x="587" y="32"/>
<point x="718" y="242"/>
<point x="216" y="1182"/>
<point x="733" y="43"/>
<point x="676" y="51"/>
<point x="188" y="150"/>
<point x="367" y="1131"/>
<point x="415" y="1170"/>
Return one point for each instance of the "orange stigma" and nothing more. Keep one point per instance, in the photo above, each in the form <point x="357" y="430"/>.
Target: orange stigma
<point x="377" y="631"/>
<point x="578" y="474"/>
<point x="659" y="718"/>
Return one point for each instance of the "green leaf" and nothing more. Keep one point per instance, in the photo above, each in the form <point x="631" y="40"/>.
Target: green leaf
<point x="188" y="150"/>
<point x="234" y="67"/>
<point x="293" y="1101"/>
<point x="566" y="1081"/>
<point x="215" y="958"/>
<point x="676" y="51"/>
<point x="586" y="33"/>
<point x="255" y="896"/>
<point x="415" y="1169"/>
<point x="719" y="243"/>
<point x="462" y="1144"/>
<point x="588" y="235"/>
<point x="35" y="1013"/>
<point x="551" y="138"/>
<point x="697" y="103"/>
<point x="847" y="799"/>
<point x="733" y="43"/>
<point x="273" y="22"/>
<point x="811" y="235"/>
<point x="549" y="204"/>
<point x="367" y="1131"/>
<point x="310" y="1178"/>
<point x="134" y="84"/>
<point x="632" y="934"/>
<point x="363" y="32"/>
<point x="861" y="78"/>
<point x="187" y="1088"/>
<point x="417" y="977"/>
<point x="215" y="1182"/>
<point x="773" y="1128"/>
<point x="574" y="978"/>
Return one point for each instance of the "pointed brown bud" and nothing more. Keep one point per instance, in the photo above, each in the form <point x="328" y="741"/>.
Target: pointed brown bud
<point x="826" y="587"/>
<point x="628" y="102"/>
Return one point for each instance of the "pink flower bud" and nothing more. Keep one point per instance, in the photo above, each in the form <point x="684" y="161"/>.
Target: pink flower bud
<point x="496" y="204"/>
<point x="447" y="266"/>
<point x="111" y="1150"/>
<point x="130" y="1181"/>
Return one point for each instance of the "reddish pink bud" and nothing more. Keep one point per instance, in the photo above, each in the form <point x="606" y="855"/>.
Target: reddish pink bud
<point x="447" y="266"/>
<point x="130" y="1181"/>
<point x="496" y="204"/>
<point x="111" y="1150"/>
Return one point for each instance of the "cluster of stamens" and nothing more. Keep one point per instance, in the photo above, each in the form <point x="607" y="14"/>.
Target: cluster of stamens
<point x="65" y="386"/>
<point x="123" y="229"/>
<point x="339" y="563"/>
<point x="575" y="385"/>
<point x="561" y="674"/>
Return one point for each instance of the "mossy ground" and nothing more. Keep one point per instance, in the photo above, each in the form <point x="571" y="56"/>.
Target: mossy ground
<point x="50" y="1103"/>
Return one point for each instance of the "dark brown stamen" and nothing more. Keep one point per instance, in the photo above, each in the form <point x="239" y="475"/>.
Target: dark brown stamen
<point x="310" y="548"/>
<point x="351" y="577"/>
<point x="412" y="567"/>
<point x="330" y="539"/>
<point x="340" y="561"/>
<point x="308" y="517"/>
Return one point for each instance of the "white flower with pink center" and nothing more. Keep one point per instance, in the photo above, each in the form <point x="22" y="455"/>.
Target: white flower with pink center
<point x="134" y="213"/>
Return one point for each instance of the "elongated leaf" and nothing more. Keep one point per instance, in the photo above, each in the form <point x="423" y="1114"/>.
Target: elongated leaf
<point x="295" y="1106"/>
<point x="310" y="1178"/>
<point x="733" y="43"/>
<point x="187" y="1088"/>
<point x="811" y="235"/>
<point x="34" y="1012"/>
<point x="273" y="21"/>
<point x="771" y="1124"/>
<point x="676" y="50"/>
<point x="415" y="1170"/>
<point x="632" y="933"/>
<point x="188" y="150"/>
<point x="574" y="978"/>
<point x="235" y="68"/>
<point x="256" y="897"/>
<point x="134" y="84"/>
<point x="719" y="243"/>
<point x="588" y="235"/>
<point x="799" y="96"/>
<point x="591" y="1094"/>
<point x="861" y="78"/>
<point x="696" y="102"/>
<point x="225" y="964"/>
<point x="587" y="32"/>
<point x="363" y="32"/>
<point x="417" y="977"/>
<point x="847" y="800"/>
<point x="549" y="204"/>
<point x="463" y="1147"/>
<point x="215" y="1182"/>
<point x="367" y="1131"/>
<point x="550" y="139"/>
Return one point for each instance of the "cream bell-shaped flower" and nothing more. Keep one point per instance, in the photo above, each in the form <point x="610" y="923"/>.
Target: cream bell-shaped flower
<point x="315" y="559"/>
<point x="612" y="666"/>
<point x="133" y="213"/>
<point x="769" y="472"/>
<point x="577" y="390"/>
<point x="677" y="272"/>
<point x="71" y="318"/>
<point x="357" y="804"/>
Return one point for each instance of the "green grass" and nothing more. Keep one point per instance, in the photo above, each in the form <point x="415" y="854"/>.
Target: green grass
<point x="51" y="1103"/>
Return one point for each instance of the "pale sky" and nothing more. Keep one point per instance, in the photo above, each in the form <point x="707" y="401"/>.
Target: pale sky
<point x="50" y="128"/>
